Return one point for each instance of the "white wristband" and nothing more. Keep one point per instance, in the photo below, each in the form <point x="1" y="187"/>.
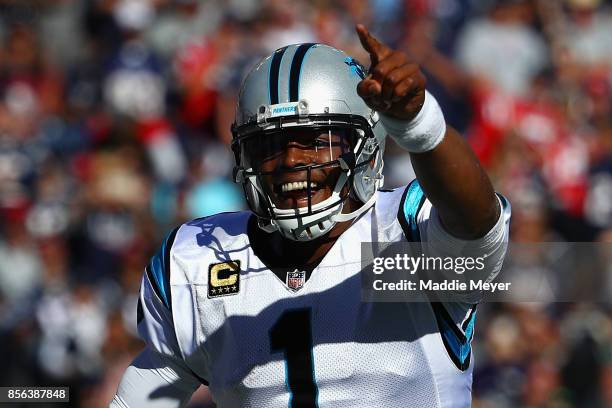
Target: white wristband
<point x="421" y="134"/>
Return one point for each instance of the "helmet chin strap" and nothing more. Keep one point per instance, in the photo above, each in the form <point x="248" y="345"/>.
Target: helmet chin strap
<point x="349" y="216"/>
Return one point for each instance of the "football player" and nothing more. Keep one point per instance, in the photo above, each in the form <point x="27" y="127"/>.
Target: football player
<point x="264" y="306"/>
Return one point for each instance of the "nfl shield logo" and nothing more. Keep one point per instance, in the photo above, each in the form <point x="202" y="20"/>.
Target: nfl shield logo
<point x="295" y="279"/>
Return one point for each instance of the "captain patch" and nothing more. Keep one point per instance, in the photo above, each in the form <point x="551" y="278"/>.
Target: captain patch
<point x="223" y="279"/>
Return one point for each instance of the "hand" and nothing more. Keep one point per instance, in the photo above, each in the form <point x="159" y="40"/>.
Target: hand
<point x="395" y="85"/>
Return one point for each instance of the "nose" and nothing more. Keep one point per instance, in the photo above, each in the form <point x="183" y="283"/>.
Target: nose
<point x="296" y="155"/>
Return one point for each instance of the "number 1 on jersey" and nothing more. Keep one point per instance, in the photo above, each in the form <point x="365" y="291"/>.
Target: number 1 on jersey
<point x="292" y="334"/>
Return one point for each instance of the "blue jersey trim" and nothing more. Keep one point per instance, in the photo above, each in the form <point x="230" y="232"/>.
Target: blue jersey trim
<point x="158" y="270"/>
<point x="458" y="344"/>
<point x="409" y="208"/>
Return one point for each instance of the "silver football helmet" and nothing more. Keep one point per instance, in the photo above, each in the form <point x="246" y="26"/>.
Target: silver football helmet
<point x="308" y="86"/>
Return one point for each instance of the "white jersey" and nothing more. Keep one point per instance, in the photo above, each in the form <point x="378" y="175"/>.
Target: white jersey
<point x="209" y="301"/>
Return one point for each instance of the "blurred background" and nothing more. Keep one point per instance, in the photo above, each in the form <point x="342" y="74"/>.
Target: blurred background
<point x="114" y="128"/>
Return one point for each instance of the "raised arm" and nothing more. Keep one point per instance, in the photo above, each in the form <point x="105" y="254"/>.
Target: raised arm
<point x="447" y="169"/>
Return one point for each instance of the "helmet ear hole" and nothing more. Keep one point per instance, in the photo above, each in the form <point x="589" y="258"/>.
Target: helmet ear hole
<point x="368" y="177"/>
<point x="255" y="199"/>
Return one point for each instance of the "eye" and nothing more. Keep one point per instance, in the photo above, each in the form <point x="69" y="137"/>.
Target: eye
<point x="322" y="142"/>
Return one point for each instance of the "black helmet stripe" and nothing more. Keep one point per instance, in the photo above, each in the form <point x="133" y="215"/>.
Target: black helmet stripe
<point x="273" y="75"/>
<point x="296" y="69"/>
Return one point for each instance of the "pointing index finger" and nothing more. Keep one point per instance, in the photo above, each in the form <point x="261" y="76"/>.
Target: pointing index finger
<point x="377" y="50"/>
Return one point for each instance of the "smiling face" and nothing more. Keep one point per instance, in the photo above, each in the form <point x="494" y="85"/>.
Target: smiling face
<point x="280" y="155"/>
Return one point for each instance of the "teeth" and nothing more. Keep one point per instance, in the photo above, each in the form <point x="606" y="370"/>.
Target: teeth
<point x="296" y="185"/>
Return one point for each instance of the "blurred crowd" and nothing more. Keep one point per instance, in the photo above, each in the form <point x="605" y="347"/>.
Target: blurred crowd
<point x="115" y="125"/>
